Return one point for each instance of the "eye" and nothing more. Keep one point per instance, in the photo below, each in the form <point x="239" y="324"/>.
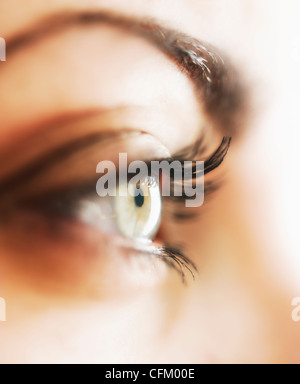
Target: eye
<point x="134" y="212"/>
<point x="66" y="209"/>
<point x="138" y="209"/>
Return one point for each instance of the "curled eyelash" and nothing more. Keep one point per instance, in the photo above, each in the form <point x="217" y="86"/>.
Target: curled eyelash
<point x="59" y="202"/>
<point x="197" y="150"/>
<point x="173" y="257"/>
<point x="212" y="163"/>
<point x="218" y="156"/>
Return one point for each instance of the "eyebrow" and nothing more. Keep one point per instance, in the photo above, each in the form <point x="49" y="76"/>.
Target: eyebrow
<point x="218" y="85"/>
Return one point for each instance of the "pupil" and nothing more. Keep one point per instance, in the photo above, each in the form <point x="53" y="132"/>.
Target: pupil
<point x="139" y="199"/>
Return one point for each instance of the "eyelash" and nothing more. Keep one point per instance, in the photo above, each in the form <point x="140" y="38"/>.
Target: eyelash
<point x="60" y="203"/>
<point x="213" y="162"/>
<point x="173" y="257"/>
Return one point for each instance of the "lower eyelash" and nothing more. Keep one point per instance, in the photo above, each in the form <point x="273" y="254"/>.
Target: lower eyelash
<point x="174" y="258"/>
<point x="178" y="261"/>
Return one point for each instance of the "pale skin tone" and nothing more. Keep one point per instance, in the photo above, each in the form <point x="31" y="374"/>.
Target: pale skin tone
<point x="63" y="308"/>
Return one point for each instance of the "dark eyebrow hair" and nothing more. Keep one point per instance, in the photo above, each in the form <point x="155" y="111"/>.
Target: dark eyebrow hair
<point x="217" y="83"/>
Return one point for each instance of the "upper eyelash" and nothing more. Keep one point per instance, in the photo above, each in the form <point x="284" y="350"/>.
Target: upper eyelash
<point x="212" y="163"/>
<point x="60" y="196"/>
<point x="218" y="156"/>
<point x="173" y="257"/>
<point x="14" y="184"/>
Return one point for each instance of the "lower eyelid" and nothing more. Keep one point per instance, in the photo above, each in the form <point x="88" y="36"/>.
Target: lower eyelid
<point x="70" y="256"/>
<point x="72" y="259"/>
<point x="172" y="257"/>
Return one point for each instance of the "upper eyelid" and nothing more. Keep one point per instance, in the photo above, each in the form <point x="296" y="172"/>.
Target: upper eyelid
<point x="217" y="85"/>
<point x="12" y="188"/>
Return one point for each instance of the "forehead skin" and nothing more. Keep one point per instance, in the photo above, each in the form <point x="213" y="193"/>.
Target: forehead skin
<point x="199" y="15"/>
<point x="238" y="27"/>
<point x="133" y="74"/>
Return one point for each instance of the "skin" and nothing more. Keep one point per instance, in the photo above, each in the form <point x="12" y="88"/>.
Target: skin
<point x="63" y="306"/>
